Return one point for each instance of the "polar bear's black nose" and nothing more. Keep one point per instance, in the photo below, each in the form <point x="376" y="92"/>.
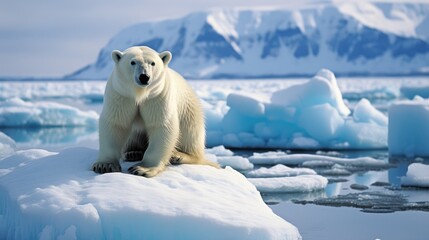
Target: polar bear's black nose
<point x="144" y="79"/>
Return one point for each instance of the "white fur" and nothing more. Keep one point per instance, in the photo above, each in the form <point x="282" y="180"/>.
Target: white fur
<point x="163" y="119"/>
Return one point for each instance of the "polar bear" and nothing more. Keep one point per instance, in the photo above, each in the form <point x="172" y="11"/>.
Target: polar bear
<point x="150" y="113"/>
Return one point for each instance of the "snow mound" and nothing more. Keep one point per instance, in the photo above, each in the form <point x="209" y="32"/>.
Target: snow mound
<point x="15" y="112"/>
<point x="309" y="115"/>
<point x="409" y="128"/>
<point x="417" y="176"/>
<point x="56" y="195"/>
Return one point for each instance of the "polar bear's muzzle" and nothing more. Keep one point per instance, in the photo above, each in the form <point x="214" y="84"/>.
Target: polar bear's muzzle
<point x="143" y="79"/>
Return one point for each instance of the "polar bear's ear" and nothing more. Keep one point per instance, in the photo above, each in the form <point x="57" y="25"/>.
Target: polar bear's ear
<point x="117" y="55"/>
<point x="165" y="57"/>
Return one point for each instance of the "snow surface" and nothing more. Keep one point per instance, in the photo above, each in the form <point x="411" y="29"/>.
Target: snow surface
<point x="409" y="128"/>
<point x="15" y="112"/>
<point x="49" y="195"/>
<point x="308" y="115"/>
<point x="417" y="176"/>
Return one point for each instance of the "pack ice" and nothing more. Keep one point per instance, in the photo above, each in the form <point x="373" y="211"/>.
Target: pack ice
<point x="50" y="195"/>
<point x="311" y="115"/>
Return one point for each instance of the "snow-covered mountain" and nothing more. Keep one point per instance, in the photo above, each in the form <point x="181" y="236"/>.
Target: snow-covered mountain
<point x="348" y="38"/>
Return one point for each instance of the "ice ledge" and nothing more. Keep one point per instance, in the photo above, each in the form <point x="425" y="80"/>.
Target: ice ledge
<point x="55" y="195"/>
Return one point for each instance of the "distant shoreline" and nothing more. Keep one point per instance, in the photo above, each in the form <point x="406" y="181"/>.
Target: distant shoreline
<point x="228" y="77"/>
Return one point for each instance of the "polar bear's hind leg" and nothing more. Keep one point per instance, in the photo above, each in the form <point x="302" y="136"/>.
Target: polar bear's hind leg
<point x="184" y="158"/>
<point x="139" y="170"/>
<point x="135" y="147"/>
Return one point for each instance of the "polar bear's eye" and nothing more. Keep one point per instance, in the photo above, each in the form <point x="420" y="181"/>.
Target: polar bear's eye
<point x="152" y="63"/>
<point x="133" y="63"/>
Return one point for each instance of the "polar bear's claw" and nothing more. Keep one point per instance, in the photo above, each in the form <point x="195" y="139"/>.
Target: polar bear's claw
<point x="106" y="167"/>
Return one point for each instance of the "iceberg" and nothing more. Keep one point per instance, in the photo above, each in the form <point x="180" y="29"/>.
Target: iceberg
<point x="55" y="195"/>
<point x="409" y="128"/>
<point x="308" y="115"/>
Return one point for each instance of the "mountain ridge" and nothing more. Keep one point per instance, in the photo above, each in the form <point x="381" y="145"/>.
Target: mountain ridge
<point x="284" y="42"/>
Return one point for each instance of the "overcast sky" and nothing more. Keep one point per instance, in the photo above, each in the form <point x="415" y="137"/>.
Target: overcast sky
<point x="51" y="38"/>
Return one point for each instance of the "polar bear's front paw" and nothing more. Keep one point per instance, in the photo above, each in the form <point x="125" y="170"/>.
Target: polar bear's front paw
<point x="106" y="167"/>
<point x="145" y="172"/>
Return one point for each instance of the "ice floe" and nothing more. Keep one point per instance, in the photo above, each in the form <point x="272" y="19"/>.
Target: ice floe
<point x="237" y="162"/>
<point x="386" y="93"/>
<point x="301" y="183"/>
<point x="279" y="170"/>
<point x="219" y="151"/>
<point x="315" y="160"/>
<point x="52" y="195"/>
<point x="225" y="157"/>
<point x="15" y="112"/>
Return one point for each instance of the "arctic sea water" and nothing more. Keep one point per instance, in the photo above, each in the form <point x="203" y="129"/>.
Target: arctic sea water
<point x="313" y="220"/>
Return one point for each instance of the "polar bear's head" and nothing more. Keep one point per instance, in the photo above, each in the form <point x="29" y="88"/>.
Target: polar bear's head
<point x="140" y="66"/>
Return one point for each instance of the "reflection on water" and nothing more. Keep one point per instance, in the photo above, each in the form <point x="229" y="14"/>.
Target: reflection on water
<point x="399" y="171"/>
<point x="275" y="198"/>
<point x="52" y="135"/>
